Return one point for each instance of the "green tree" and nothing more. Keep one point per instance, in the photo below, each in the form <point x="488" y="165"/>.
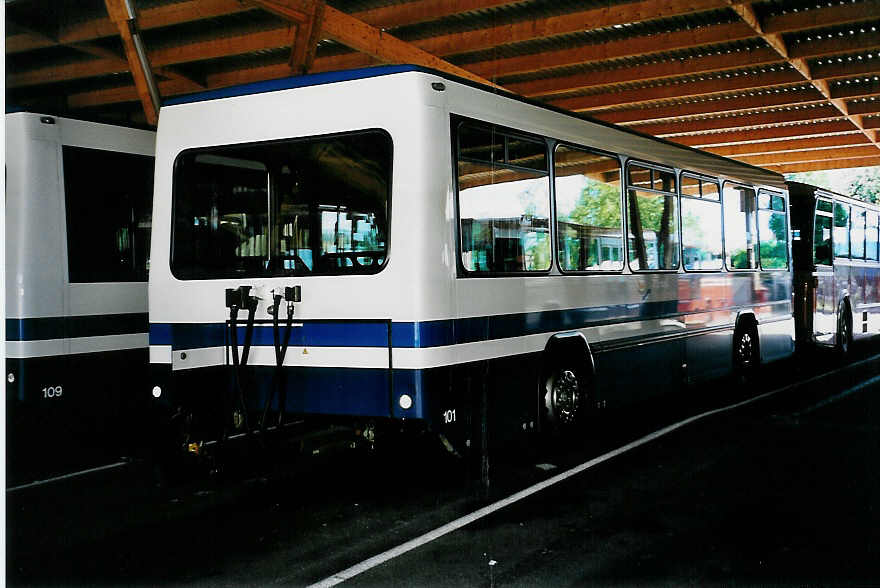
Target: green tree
<point x="866" y="185"/>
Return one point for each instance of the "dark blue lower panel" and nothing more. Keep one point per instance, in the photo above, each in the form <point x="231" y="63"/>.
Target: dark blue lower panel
<point x="70" y="413"/>
<point x="446" y="399"/>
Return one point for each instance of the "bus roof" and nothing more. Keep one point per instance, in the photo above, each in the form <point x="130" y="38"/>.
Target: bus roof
<point x="770" y="177"/>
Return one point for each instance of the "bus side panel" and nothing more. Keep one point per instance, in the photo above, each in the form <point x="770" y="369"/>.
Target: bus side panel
<point x="73" y="412"/>
<point x="628" y="374"/>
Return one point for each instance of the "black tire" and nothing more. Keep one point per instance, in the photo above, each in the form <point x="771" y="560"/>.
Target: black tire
<point x="746" y="354"/>
<point x="563" y="398"/>
<point x="843" y="338"/>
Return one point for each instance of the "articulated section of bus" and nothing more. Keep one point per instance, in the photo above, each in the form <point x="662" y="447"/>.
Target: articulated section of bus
<point x="836" y="267"/>
<point x="78" y="205"/>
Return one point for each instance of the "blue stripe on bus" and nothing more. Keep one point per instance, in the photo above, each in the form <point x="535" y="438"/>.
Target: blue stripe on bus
<point x="310" y="334"/>
<point x="290" y="83"/>
<point x="38" y="329"/>
<point x="414" y="334"/>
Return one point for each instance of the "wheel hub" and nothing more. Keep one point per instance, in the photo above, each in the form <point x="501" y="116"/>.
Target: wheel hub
<point x="565" y="397"/>
<point x="745" y="350"/>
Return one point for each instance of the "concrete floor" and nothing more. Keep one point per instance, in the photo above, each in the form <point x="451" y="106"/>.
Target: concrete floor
<point x="785" y="492"/>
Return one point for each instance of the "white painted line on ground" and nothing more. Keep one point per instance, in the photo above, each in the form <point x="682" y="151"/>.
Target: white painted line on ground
<point x="381" y="558"/>
<point x="839" y="396"/>
<point x="110" y="466"/>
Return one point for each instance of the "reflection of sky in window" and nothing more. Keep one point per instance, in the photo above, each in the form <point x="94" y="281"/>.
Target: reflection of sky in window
<point x="506" y="200"/>
<point x="569" y="190"/>
<point x="706" y="219"/>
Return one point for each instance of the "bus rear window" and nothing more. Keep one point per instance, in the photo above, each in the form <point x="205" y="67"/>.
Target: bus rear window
<point x="302" y="207"/>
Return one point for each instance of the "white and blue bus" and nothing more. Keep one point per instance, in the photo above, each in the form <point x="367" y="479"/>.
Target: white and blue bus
<point x="78" y="207"/>
<point x="393" y="244"/>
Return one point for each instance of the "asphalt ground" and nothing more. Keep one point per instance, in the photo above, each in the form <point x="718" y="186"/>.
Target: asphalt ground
<point x="784" y="491"/>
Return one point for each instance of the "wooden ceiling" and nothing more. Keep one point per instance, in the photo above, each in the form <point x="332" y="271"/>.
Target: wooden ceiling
<point x="790" y="85"/>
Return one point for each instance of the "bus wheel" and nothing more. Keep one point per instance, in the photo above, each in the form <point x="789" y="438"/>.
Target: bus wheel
<point x="745" y="352"/>
<point x="563" y="398"/>
<point x="844" y="331"/>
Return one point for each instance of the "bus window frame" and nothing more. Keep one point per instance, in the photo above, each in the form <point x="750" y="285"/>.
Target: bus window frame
<point x="853" y="209"/>
<point x="621" y="202"/>
<point x="720" y="201"/>
<point x="785" y="214"/>
<point x="456" y="121"/>
<point x="834" y="256"/>
<point x="625" y="187"/>
<point x="830" y="215"/>
<point x="325" y="136"/>
<point x="757" y="241"/>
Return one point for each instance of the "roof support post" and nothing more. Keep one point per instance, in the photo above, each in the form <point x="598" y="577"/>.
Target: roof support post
<point x="306" y="37"/>
<point x="124" y="16"/>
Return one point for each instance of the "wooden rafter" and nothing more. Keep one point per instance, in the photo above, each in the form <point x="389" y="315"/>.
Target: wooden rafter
<point x="365" y="38"/>
<point x="823" y="16"/>
<point x="777" y="42"/>
<point x="121" y="13"/>
<point x="811" y="155"/>
<point x="739" y="121"/>
<point x="820" y="129"/>
<point x="842" y="140"/>
<point x="712" y="105"/>
<point x="680" y="89"/>
<point x="645" y="73"/>
<point x="790" y="168"/>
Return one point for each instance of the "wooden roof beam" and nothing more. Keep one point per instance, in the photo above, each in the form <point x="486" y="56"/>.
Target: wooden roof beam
<point x="790" y="168"/>
<point x="680" y="89"/>
<point x="184" y="11"/>
<point x="820" y="129"/>
<point x="764" y="147"/>
<point x="720" y="105"/>
<point x="362" y="37"/>
<point x="122" y="14"/>
<point x="824" y="16"/>
<point x="644" y="73"/>
<point x="630" y="47"/>
<point x="775" y="40"/>
<point x="775" y="117"/>
<point x="810" y="155"/>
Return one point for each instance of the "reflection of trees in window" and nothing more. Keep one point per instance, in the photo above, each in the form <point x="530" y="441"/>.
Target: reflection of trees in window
<point x="589" y="223"/>
<point x="740" y="227"/>
<point x="653" y="230"/>
<point x="772" y="231"/>
<point x="503" y="201"/>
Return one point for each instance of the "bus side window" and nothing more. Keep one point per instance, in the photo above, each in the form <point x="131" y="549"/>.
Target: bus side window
<point x="108" y="196"/>
<point x="841" y="230"/>
<point x="857" y="233"/>
<point x="701" y="224"/>
<point x="653" y="227"/>
<point x="772" y="231"/>
<point x="589" y="222"/>
<point x="503" y="201"/>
